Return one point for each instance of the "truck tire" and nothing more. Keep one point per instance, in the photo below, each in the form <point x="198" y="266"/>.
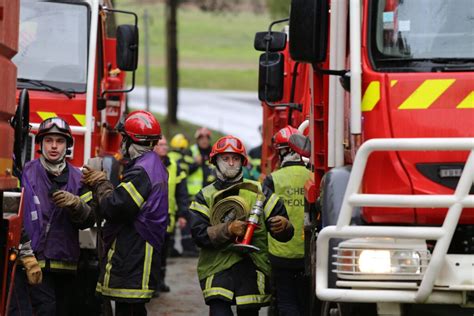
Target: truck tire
<point x="333" y="188"/>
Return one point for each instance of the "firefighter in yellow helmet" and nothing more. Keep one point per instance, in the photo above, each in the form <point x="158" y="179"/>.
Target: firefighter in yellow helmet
<point x="177" y="204"/>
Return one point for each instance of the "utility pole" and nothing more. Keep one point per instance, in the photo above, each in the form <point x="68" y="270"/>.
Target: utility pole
<point x="172" y="61"/>
<point x="147" y="62"/>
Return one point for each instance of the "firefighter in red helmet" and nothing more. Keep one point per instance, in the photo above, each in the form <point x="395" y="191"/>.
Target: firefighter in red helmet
<point x="218" y="213"/>
<point x="136" y="214"/>
<point x="287" y="259"/>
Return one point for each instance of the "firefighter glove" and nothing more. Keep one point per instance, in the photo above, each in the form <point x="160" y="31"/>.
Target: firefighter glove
<point x="33" y="270"/>
<point x="66" y="199"/>
<point x="92" y="177"/>
<point x="278" y="224"/>
<point x="237" y="228"/>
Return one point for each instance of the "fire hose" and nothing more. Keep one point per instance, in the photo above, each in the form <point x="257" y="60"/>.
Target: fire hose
<point x="234" y="207"/>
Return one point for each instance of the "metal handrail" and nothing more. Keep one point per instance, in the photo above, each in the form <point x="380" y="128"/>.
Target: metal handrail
<point x="455" y="202"/>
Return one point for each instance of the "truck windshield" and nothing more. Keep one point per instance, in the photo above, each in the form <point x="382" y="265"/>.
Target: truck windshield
<point x="422" y="33"/>
<point x="53" y="44"/>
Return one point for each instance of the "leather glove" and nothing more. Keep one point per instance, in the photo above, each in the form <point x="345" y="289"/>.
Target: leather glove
<point x="92" y="177"/>
<point x="278" y="224"/>
<point x="237" y="228"/>
<point x="65" y="199"/>
<point x="33" y="270"/>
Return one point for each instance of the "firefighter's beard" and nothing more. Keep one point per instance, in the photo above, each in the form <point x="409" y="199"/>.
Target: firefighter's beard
<point x="225" y="172"/>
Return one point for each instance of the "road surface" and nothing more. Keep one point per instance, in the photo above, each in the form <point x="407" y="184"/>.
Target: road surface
<point x="231" y="112"/>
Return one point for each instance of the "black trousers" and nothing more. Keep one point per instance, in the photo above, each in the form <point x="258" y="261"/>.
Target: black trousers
<point x="20" y="301"/>
<point x="223" y="308"/>
<point x="130" y="309"/>
<point x="55" y="295"/>
<point x="290" y="288"/>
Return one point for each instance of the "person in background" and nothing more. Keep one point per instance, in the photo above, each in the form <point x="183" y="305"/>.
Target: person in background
<point x="287" y="259"/>
<point x="200" y="175"/>
<point x="228" y="276"/>
<point x="136" y="214"/>
<point x="181" y="154"/>
<point x="56" y="207"/>
<point x="178" y="203"/>
<point x="254" y="168"/>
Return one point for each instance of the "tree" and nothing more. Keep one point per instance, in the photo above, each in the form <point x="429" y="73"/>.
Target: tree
<point x="172" y="60"/>
<point x="279" y="8"/>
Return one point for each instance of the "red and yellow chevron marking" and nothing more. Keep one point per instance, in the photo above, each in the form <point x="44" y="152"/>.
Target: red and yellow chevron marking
<point x="72" y="119"/>
<point x="426" y="94"/>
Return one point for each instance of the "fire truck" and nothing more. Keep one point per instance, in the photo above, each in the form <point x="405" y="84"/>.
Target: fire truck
<point x="10" y="149"/>
<point x="73" y="60"/>
<point x="383" y="94"/>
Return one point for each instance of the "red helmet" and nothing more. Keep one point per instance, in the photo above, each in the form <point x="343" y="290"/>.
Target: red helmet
<point x="141" y="126"/>
<point x="282" y="137"/>
<point x="202" y="131"/>
<point x="228" y="144"/>
<point x="55" y="125"/>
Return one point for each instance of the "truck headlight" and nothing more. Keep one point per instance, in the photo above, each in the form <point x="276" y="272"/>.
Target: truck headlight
<point x="381" y="259"/>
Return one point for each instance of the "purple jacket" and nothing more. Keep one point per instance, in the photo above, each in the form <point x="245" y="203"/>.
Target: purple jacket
<point x="152" y="221"/>
<point x="52" y="234"/>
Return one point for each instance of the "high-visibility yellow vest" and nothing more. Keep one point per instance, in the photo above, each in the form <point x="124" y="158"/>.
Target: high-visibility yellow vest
<point x="289" y="186"/>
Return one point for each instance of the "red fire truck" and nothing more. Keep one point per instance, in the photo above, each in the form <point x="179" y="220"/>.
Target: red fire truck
<point x="384" y="92"/>
<point x="10" y="146"/>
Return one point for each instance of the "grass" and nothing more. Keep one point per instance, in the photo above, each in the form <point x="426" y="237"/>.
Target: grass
<point x="215" y="49"/>
<point x="225" y="79"/>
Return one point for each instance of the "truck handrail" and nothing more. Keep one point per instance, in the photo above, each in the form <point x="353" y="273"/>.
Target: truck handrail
<point x="352" y="198"/>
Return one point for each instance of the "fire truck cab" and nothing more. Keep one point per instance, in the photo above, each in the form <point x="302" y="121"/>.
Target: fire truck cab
<point x="384" y="92"/>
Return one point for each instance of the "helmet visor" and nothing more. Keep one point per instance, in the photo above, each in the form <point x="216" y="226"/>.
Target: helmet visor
<point x="234" y="143"/>
<point x="55" y="121"/>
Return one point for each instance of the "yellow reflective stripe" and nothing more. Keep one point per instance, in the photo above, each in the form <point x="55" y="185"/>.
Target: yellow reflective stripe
<point x="108" y="266"/>
<point x="468" y="102"/>
<point x="86" y="197"/>
<point x="261" y="282"/>
<point x="371" y="96"/>
<point x="426" y="94"/>
<point x="252" y="299"/>
<point x="135" y="195"/>
<point x="98" y="287"/>
<point x="81" y="118"/>
<point x="218" y="291"/>
<point x="147" y="265"/>
<point x="200" y="208"/>
<point x="53" y="264"/>
<point x="126" y="293"/>
<point x="209" y="280"/>
<point x="46" y="115"/>
<point x="272" y="201"/>
<point x="393" y="83"/>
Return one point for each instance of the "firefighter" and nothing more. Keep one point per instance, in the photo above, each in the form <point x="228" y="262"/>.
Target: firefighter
<point x="227" y="276"/>
<point x="287" y="259"/>
<point x="178" y="203"/>
<point x="56" y="207"/>
<point x="136" y="214"/>
<point x="181" y="154"/>
<point x="200" y="175"/>
<point x="255" y="160"/>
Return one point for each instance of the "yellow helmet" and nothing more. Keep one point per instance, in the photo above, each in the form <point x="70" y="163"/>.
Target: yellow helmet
<point x="179" y="141"/>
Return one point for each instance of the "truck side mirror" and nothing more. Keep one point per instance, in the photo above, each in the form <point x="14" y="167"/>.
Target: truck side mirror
<point x="276" y="41"/>
<point x="270" y="77"/>
<point x="309" y="30"/>
<point x="127" y="47"/>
